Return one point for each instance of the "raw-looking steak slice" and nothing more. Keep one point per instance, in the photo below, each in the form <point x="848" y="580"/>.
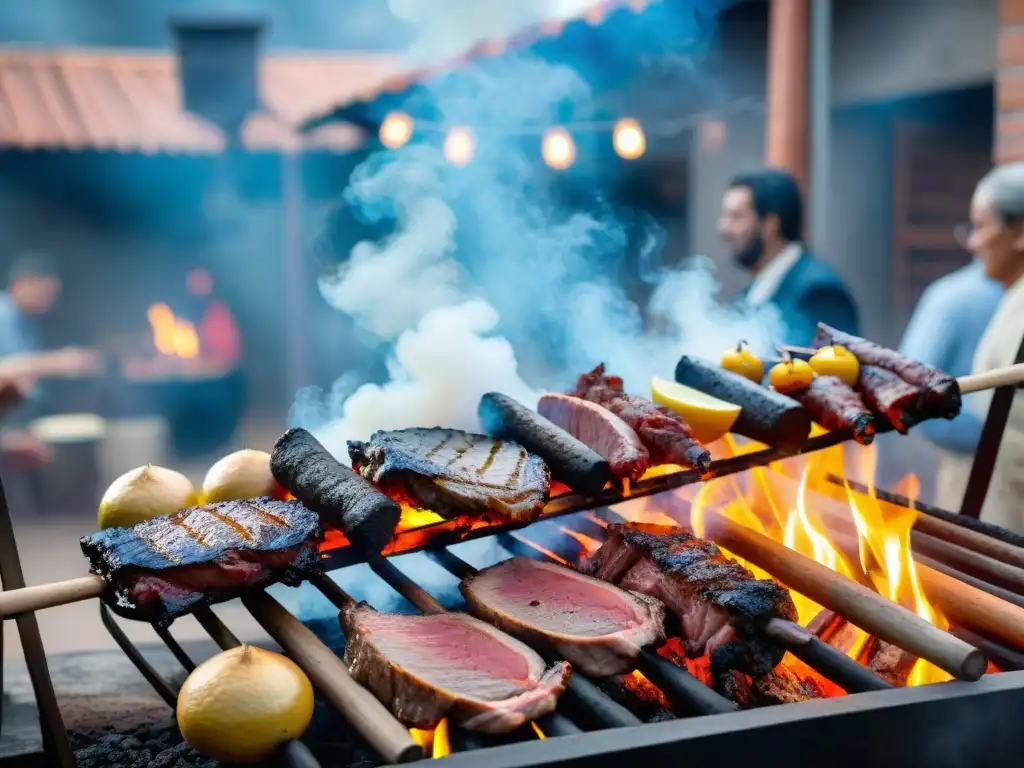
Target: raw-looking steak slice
<point x="596" y="626"/>
<point x="454" y="473"/>
<point x="450" y="665"/>
<point x="595" y="426"/>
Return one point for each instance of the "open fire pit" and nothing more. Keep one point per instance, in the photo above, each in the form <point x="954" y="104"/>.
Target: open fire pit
<point x="795" y="519"/>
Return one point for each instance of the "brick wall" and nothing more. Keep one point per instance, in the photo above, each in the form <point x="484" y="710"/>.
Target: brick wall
<point x="1009" y="144"/>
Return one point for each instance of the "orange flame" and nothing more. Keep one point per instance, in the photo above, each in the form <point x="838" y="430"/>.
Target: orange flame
<point x="794" y="503"/>
<point x="442" y="743"/>
<point x="172" y="336"/>
<point x="538" y="731"/>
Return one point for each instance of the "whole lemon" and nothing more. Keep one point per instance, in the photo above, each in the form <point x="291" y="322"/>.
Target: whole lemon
<point x="743" y="361"/>
<point x="142" y="494"/>
<point x="242" y="704"/>
<point x="836" y="361"/>
<point x="241" y="475"/>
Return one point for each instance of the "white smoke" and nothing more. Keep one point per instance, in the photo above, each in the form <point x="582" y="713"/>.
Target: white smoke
<point x="537" y="270"/>
<point x="446" y="28"/>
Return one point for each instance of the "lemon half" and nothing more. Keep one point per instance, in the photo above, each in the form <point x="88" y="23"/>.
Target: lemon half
<point x="708" y="417"/>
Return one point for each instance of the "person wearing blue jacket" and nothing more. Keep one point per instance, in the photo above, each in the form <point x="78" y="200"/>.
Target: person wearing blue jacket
<point x="761" y="223"/>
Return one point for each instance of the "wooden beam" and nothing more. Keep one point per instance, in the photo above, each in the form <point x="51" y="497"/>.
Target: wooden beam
<point x="787" y="135"/>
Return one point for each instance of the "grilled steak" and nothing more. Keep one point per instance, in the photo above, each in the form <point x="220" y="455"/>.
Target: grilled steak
<point x="594" y="625"/>
<point x="449" y="665"/>
<point x="719" y="603"/>
<point x="666" y="436"/>
<point x="162" y="568"/>
<point x="602" y="430"/>
<point x="454" y="473"/>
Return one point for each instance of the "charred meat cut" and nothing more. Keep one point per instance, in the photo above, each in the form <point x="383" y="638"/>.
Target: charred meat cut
<point x="454" y="473"/>
<point x="165" y="567"/>
<point x="450" y="665"/>
<point x="890" y="396"/>
<point x="602" y="430"/>
<point x="665" y="435"/>
<point x="835" y="406"/>
<point x="719" y="603"/>
<point x="594" y="625"/>
<point x="942" y="393"/>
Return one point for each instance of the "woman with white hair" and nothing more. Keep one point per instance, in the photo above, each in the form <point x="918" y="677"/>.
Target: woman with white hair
<point x="997" y="239"/>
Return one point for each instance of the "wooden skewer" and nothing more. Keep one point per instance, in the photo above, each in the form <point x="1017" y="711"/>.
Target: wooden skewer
<point x="328" y="674"/>
<point x="1011" y="375"/>
<point x="961" y="603"/>
<point x="858" y="604"/>
<point x="14" y="602"/>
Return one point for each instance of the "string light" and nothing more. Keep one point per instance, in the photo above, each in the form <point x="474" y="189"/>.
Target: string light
<point x="628" y="139"/>
<point x="459" y="146"/>
<point x="396" y="130"/>
<point x="558" y="149"/>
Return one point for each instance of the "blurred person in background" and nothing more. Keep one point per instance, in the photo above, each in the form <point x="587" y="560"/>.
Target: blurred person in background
<point x="997" y="239"/>
<point x="944" y="331"/>
<point x="33" y="288"/>
<point x="761" y="223"/>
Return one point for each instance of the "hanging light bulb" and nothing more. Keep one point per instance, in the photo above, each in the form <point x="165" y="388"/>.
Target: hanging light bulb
<point x="628" y="139"/>
<point x="396" y="130"/>
<point x="558" y="149"/>
<point x="459" y="146"/>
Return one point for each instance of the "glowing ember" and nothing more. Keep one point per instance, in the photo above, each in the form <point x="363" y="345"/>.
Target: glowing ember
<point x="424" y="738"/>
<point x="417" y="518"/>
<point x="538" y="731"/>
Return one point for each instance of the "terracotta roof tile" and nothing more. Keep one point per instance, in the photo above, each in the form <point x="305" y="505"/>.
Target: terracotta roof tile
<point x="130" y="101"/>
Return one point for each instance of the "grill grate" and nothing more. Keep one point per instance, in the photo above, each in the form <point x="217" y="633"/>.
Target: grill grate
<point x="585" y="707"/>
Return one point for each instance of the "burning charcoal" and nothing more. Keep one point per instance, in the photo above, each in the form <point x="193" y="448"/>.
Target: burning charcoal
<point x="889" y="662"/>
<point x="783" y="686"/>
<point x="639" y="696"/>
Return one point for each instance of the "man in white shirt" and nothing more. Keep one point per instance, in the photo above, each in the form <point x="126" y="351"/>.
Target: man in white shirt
<point x="761" y="223"/>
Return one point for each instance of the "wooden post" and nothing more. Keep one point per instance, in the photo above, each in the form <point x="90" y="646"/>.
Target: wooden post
<point x="786" y="129"/>
<point x="296" y="333"/>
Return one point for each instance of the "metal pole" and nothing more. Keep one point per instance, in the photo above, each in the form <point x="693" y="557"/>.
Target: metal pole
<point x="821" y="121"/>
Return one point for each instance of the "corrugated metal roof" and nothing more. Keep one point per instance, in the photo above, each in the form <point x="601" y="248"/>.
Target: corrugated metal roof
<point x="130" y="101"/>
<point x="594" y="15"/>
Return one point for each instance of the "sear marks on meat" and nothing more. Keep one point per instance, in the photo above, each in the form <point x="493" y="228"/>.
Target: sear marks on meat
<point x="594" y="625"/>
<point x="890" y="396"/>
<point x="602" y="430"/>
<point x="165" y="567"/>
<point x="942" y="393"/>
<point x="719" y="603"/>
<point x="834" y="405"/>
<point x="450" y="665"/>
<point x="667" y="437"/>
<point x="454" y="473"/>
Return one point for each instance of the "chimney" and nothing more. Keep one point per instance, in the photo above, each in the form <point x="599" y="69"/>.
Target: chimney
<point x="218" y="68"/>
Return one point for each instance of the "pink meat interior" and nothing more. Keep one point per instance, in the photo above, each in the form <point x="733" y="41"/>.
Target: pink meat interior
<point x="558" y="601"/>
<point x="451" y="653"/>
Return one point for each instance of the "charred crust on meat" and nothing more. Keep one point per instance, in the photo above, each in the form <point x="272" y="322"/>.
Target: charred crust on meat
<point x="169" y="566"/>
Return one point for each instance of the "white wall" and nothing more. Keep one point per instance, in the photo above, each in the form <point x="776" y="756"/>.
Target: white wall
<point x="884" y="48"/>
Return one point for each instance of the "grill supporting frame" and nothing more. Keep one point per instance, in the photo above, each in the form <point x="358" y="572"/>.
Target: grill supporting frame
<point x="947" y="725"/>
